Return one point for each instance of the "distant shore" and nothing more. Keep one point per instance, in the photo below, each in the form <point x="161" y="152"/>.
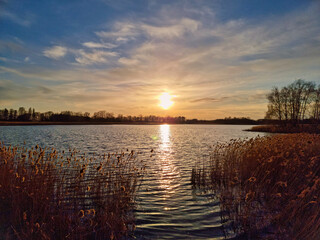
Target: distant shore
<point x="30" y="123"/>
<point x="299" y="128"/>
<point x="5" y="123"/>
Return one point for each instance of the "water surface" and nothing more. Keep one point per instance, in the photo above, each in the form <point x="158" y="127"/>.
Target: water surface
<point x="167" y="206"/>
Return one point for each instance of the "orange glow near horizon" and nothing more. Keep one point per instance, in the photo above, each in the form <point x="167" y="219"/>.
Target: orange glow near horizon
<point x="165" y="100"/>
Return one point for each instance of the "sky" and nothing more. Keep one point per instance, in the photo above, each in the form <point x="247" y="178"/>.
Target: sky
<point x="216" y="58"/>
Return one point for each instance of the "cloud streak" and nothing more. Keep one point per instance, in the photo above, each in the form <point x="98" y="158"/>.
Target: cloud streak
<point x="25" y="21"/>
<point x="99" y="45"/>
<point x="94" y="57"/>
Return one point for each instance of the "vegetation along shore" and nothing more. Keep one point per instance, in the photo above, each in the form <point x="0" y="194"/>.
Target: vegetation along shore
<point x="293" y="109"/>
<point x="268" y="186"/>
<point x="47" y="194"/>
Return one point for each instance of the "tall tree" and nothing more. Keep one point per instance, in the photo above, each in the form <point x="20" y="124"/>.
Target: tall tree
<point x="274" y="107"/>
<point x="21" y="111"/>
<point x="291" y="103"/>
<point x="316" y="105"/>
<point x="5" y="114"/>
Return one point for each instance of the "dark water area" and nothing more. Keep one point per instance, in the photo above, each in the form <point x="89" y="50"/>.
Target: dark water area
<point x="167" y="205"/>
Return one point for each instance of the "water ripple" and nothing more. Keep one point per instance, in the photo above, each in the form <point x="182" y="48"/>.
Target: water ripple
<point x="167" y="206"/>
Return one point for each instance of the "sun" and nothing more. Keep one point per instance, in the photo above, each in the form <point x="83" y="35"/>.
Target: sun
<point x="165" y="100"/>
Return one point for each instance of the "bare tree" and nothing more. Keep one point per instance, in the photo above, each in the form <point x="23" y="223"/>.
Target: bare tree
<point x="316" y="105"/>
<point x="290" y="104"/>
<point x="274" y="107"/>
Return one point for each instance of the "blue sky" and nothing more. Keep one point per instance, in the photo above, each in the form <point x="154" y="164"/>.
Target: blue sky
<point x="217" y="58"/>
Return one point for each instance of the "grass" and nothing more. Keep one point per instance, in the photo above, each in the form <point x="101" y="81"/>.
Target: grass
<point x="299" y="128"/>
<point x="268" y="186"/>
<point x="46" y="194"/>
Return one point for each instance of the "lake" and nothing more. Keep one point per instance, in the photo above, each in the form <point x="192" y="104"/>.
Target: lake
<point x="167" y="205"/>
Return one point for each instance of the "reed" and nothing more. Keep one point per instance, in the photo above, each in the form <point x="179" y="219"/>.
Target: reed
<point x="46" y="194"/>
<point x="287" y="128"/>
<point x="268" y="186"/>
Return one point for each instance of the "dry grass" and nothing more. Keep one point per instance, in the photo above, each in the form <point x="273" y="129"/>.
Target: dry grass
<point x="300" y="128"/>
<point x="46" y="194"/>
<point x="269" y="187"/>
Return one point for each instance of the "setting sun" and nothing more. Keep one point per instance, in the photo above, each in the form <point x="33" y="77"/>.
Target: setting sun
<point x="165" y="100"/>
<point x="160" y="119"/>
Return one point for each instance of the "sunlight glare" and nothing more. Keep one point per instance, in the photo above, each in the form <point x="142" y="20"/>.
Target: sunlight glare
<point x="168" y="172"/>
<point x="165" y="100"/>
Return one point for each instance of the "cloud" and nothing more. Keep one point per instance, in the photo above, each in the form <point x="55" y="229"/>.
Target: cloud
<point x="11" y="46"/>
<point x="128" y="61"/>
<point x="83" y="57"/>
<point x="121" y="30"/>
<point x="238" y="96"/>
<point x="25" y="21"/>
<point x="173" y="30"/>
<point x="94" y="57"/>
<point x="12" y="91"/>
<point x="99" y="45"/>
<point x="207" y="99"/>
<point x="55" y="52"/>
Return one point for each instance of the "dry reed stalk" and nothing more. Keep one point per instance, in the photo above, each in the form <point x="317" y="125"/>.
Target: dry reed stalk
<point x="46" y="194"/>
<point x="269" y="186"/>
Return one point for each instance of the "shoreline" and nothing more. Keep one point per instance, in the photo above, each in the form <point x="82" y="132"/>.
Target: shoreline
<point x="8" y="123"/>
<point x="300" y="128"/>
<point x="3" y="123"/>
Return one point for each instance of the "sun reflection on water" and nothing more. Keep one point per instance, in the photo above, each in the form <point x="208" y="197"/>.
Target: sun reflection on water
<point x="168" y="171"/>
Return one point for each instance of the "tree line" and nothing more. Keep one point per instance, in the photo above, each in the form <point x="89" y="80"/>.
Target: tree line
<point x="298" y="102"/>
<point x="103" y="116"/>
<point x="69" y="116"/>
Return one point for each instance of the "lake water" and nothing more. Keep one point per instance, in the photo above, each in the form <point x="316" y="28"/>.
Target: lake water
<point x="167" y="206"/>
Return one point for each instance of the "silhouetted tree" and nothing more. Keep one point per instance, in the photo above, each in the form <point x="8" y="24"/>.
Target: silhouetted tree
<point x="316" y="105"/>
<point x="290" y="103"/>
<point x="21" y="111"/>
<point x="11" y="112"/>
<point x="5" y="114"/>
<point x="15" y="114"/>
<point x="33" y="114"/>
<point x="274" y="107"/>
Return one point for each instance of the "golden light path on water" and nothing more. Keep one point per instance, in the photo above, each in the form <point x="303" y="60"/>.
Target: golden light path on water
<point x="167" y="207"/>
<point x="168" y="172"/>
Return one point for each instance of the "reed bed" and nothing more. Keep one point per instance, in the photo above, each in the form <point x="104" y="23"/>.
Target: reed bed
<point x="269" y="187"/>
<point x="46" y="194"/>
<point x="287" y="128"/>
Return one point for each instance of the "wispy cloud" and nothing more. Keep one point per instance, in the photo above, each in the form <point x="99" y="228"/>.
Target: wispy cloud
<point x="122" y="31"/>
<point x="99" y="45"/>
<point x="175" y="29"/>
<point x="25" y="20"/>
<point x="12" y="46"/>
<point x="206" y="99"/>
<point x="55" y="52"/>
<point x="94" y="57"/>
<point x="128" y="61"/>
<point x="12" y="91"/>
